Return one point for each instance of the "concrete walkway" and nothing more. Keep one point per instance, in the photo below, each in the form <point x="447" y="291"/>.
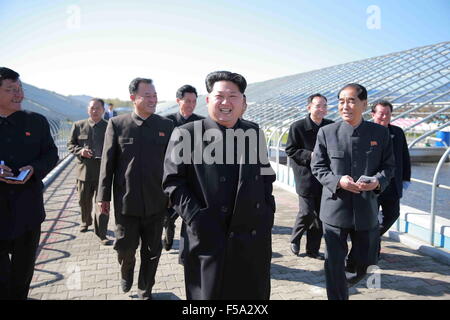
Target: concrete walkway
<point x="73" y="265"/>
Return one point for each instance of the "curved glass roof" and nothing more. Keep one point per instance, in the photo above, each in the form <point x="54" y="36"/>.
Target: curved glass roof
<point x="415" y="81"/>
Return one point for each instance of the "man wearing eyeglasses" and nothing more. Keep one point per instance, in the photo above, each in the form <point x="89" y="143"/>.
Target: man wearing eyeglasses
<point x="25" y="145"/>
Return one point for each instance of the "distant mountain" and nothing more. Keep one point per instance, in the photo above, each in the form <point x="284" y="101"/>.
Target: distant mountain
<point x="52" y="105"/>
<point x="81" y="98"/>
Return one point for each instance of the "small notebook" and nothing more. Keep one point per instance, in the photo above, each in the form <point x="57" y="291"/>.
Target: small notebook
<point x="22" y="175"/>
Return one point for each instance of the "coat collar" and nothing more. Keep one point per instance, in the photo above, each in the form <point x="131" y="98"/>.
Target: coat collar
<point x="139" y="121"/>
<point x="309" y="124"/>
<point x="350" y="129"/>
<point x="14" y="117"/>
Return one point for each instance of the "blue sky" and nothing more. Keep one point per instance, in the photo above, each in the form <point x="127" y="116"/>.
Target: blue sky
<point x="98" y="47"/>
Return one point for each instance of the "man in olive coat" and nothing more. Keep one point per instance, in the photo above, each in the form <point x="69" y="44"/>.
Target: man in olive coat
<point x="219" y="180"/>
<point x="25" y="144"/>
<point x="132" y="164"/>
<point x="186" y="100"/>
<point x="344" y="152"/>
<point x="86" y="143"/>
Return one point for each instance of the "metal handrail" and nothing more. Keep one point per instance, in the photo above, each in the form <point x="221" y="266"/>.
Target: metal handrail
<point x="433" y="194"/>
<point x="429" y="133"/>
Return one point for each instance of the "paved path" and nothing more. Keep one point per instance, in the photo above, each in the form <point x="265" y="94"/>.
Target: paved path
<point x="73" y="265"/>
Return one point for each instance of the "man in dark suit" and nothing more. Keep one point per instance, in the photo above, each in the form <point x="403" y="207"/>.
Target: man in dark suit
<point x="187" y="100"/>
<point x="86" y="143"/>
<point x="300" y="144"/>
<point x="389" y="199"/>
<point x="132" y="161"/>
<point x="110" y="112"/>
<point x="344" y="152"/>
<point x="25" y="144"/>
<point x="219" y="180"/>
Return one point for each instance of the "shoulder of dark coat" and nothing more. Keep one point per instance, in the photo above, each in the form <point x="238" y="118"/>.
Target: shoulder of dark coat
<point x="34" y="115"/>
<point x="121" y="118"/>
<point x="397" y="129"/>
<point x="172" y="116"/>
<point x="333" y="126"/>
<point x="375" y="126"/>
<point x="327" y="121"/>
<point x="298" y="123"/>
<point x="163" y="120"/>
<point x="190" y="125"/>
<point x="249" y="124"/>
<point x="198" y="117"/>
<point x="80" y="122"/>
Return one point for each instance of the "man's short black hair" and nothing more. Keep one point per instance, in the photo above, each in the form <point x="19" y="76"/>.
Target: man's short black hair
<point x="8" y="74"/>
<point x="382" y="102"/>
<point x="134" y="84"/>
<point x="99" y="100"/>
<point x="215" y="76"/>
<point x="361" y="91"/>
<point x="315" y="95"/>
<point x="185" y="89"/>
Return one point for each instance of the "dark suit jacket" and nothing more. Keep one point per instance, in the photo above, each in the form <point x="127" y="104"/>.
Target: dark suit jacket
<point x="106" y="115"/>
<point x="25" y="139"/>
<point x="132" y="161"/>
<point x="82" y="135"/>
<point x="342" y="150"/>
<point x="402" y="164"/>
<point x="178" y="119"/>
<point x="300" y="144"/>
<point x="226" y="252"/>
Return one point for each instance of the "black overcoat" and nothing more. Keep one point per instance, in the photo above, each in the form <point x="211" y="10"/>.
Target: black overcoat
<point x="300" y="144"/>
<point x="227" y="249"/>
<point x="402" y="164"/>
<point x="25" y="139"/>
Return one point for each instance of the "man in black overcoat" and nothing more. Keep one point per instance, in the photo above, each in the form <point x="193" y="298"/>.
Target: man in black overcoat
<point x="219" y="180"/>
<point x="344" y="152"/>
<point x="25" y="144"/>
<point x="186" y="100"/>
<point x="299" y="147"/>
<point x="132" y="164"/>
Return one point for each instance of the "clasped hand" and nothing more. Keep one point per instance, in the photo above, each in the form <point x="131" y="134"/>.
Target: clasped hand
<point x="347" y="183"/>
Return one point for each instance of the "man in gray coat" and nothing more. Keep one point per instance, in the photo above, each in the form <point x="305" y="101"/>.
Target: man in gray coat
<point x="86" y="143"/>
<point x="132" y="162"/>
<point x="344" y="152"/>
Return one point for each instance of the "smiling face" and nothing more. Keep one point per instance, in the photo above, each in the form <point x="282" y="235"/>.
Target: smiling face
<point x="11" y="96"/>
<point x="225" y="103"/>
<point x="318" y="108"/>
<point x="145" y="100"/>
<point x="187" y="104"/>
<point x="382" y="115"/>
<point x="350" y="106"/>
